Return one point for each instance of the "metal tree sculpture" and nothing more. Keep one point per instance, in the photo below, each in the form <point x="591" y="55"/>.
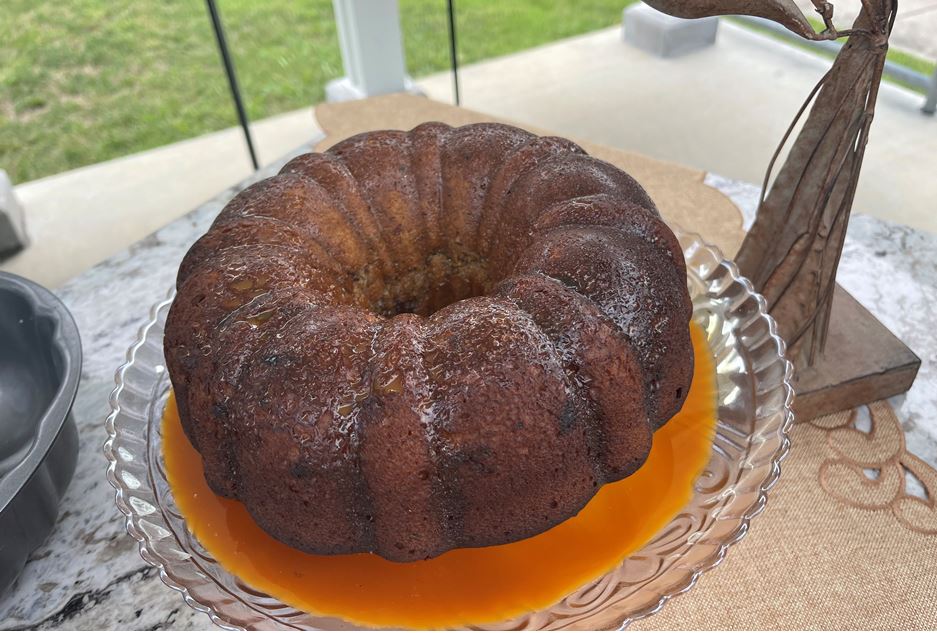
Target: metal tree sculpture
<point x="792" y="252"/>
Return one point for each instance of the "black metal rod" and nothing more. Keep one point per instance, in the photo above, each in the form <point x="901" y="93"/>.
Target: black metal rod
<point x="453" y="51"/>
<point x="232" y="78"/>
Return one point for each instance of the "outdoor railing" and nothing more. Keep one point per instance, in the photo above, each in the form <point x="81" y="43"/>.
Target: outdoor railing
<point x="899" y="72"/>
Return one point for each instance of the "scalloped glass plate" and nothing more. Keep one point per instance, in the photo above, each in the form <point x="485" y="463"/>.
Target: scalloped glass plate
<point x="755" y="397"/>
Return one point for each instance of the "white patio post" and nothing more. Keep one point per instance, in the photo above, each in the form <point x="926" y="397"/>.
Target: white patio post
<point x="12" y="220"/>
<point x="372" y="50"/>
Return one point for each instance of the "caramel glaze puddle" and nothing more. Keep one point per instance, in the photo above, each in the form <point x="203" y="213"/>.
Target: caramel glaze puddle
<point x="467" y="585"/>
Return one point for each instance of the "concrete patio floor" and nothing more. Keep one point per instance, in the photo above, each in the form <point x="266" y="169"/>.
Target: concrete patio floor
<point x="722" y="110"/>
<point x="78" y="218"/>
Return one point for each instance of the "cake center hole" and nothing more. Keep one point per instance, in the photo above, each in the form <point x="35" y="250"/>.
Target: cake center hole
<point x="441" y="280"/>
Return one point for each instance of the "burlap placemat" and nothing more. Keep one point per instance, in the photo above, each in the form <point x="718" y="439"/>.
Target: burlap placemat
<point x="835" y="549"/>
<point x="844" y="543"/>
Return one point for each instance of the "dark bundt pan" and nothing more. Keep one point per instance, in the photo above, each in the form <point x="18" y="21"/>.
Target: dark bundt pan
<point x="40" y="365"/>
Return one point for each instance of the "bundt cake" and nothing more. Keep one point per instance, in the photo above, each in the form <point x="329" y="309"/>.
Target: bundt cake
<point x="424" y="340"/>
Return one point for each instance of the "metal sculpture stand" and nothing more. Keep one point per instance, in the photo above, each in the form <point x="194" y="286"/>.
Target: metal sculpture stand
<point x="844" y="356"/>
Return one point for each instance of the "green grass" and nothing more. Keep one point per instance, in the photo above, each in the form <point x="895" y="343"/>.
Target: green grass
<point x="88" y="80"/>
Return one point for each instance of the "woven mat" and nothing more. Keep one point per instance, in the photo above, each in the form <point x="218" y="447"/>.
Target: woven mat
<point x="844" y="543"/>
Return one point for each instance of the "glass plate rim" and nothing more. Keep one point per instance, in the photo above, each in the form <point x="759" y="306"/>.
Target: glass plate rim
<point x="756" y="507"/>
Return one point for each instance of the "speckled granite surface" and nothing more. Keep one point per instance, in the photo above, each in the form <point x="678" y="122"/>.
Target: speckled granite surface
<point x="891" y="269"/>
<point x="89" y="574"/>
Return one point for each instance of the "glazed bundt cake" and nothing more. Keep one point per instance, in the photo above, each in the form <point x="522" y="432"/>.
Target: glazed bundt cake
<point x="418" y="341"/>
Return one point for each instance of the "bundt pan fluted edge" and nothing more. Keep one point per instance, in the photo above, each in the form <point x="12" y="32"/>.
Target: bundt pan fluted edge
<point x="40" y="366"/>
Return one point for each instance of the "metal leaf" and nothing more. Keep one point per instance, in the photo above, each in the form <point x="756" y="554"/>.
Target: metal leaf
<point x="784" y="12"/>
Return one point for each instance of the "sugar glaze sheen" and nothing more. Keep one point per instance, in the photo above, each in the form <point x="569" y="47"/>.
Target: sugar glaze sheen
<point x="425" y="340"/>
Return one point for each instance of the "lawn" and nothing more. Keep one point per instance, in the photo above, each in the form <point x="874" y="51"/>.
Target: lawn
<point x="88" y="80"/>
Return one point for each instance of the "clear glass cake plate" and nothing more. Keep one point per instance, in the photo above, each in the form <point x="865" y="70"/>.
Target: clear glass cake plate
<point x="754" y="416"/>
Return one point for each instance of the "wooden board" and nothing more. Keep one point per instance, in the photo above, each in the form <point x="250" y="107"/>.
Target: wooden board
<point x="864" y="362"/>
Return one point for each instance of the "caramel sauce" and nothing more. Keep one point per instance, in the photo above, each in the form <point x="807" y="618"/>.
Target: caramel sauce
<point x="462" y="586"/>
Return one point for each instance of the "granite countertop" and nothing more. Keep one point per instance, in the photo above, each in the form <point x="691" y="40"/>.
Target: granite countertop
<point x="90" y="575"/>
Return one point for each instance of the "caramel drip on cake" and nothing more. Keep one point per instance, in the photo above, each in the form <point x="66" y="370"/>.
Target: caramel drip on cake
<point x="462" y="586"/>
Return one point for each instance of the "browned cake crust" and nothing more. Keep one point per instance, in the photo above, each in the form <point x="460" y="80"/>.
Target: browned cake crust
<point x="416" y="341"/>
